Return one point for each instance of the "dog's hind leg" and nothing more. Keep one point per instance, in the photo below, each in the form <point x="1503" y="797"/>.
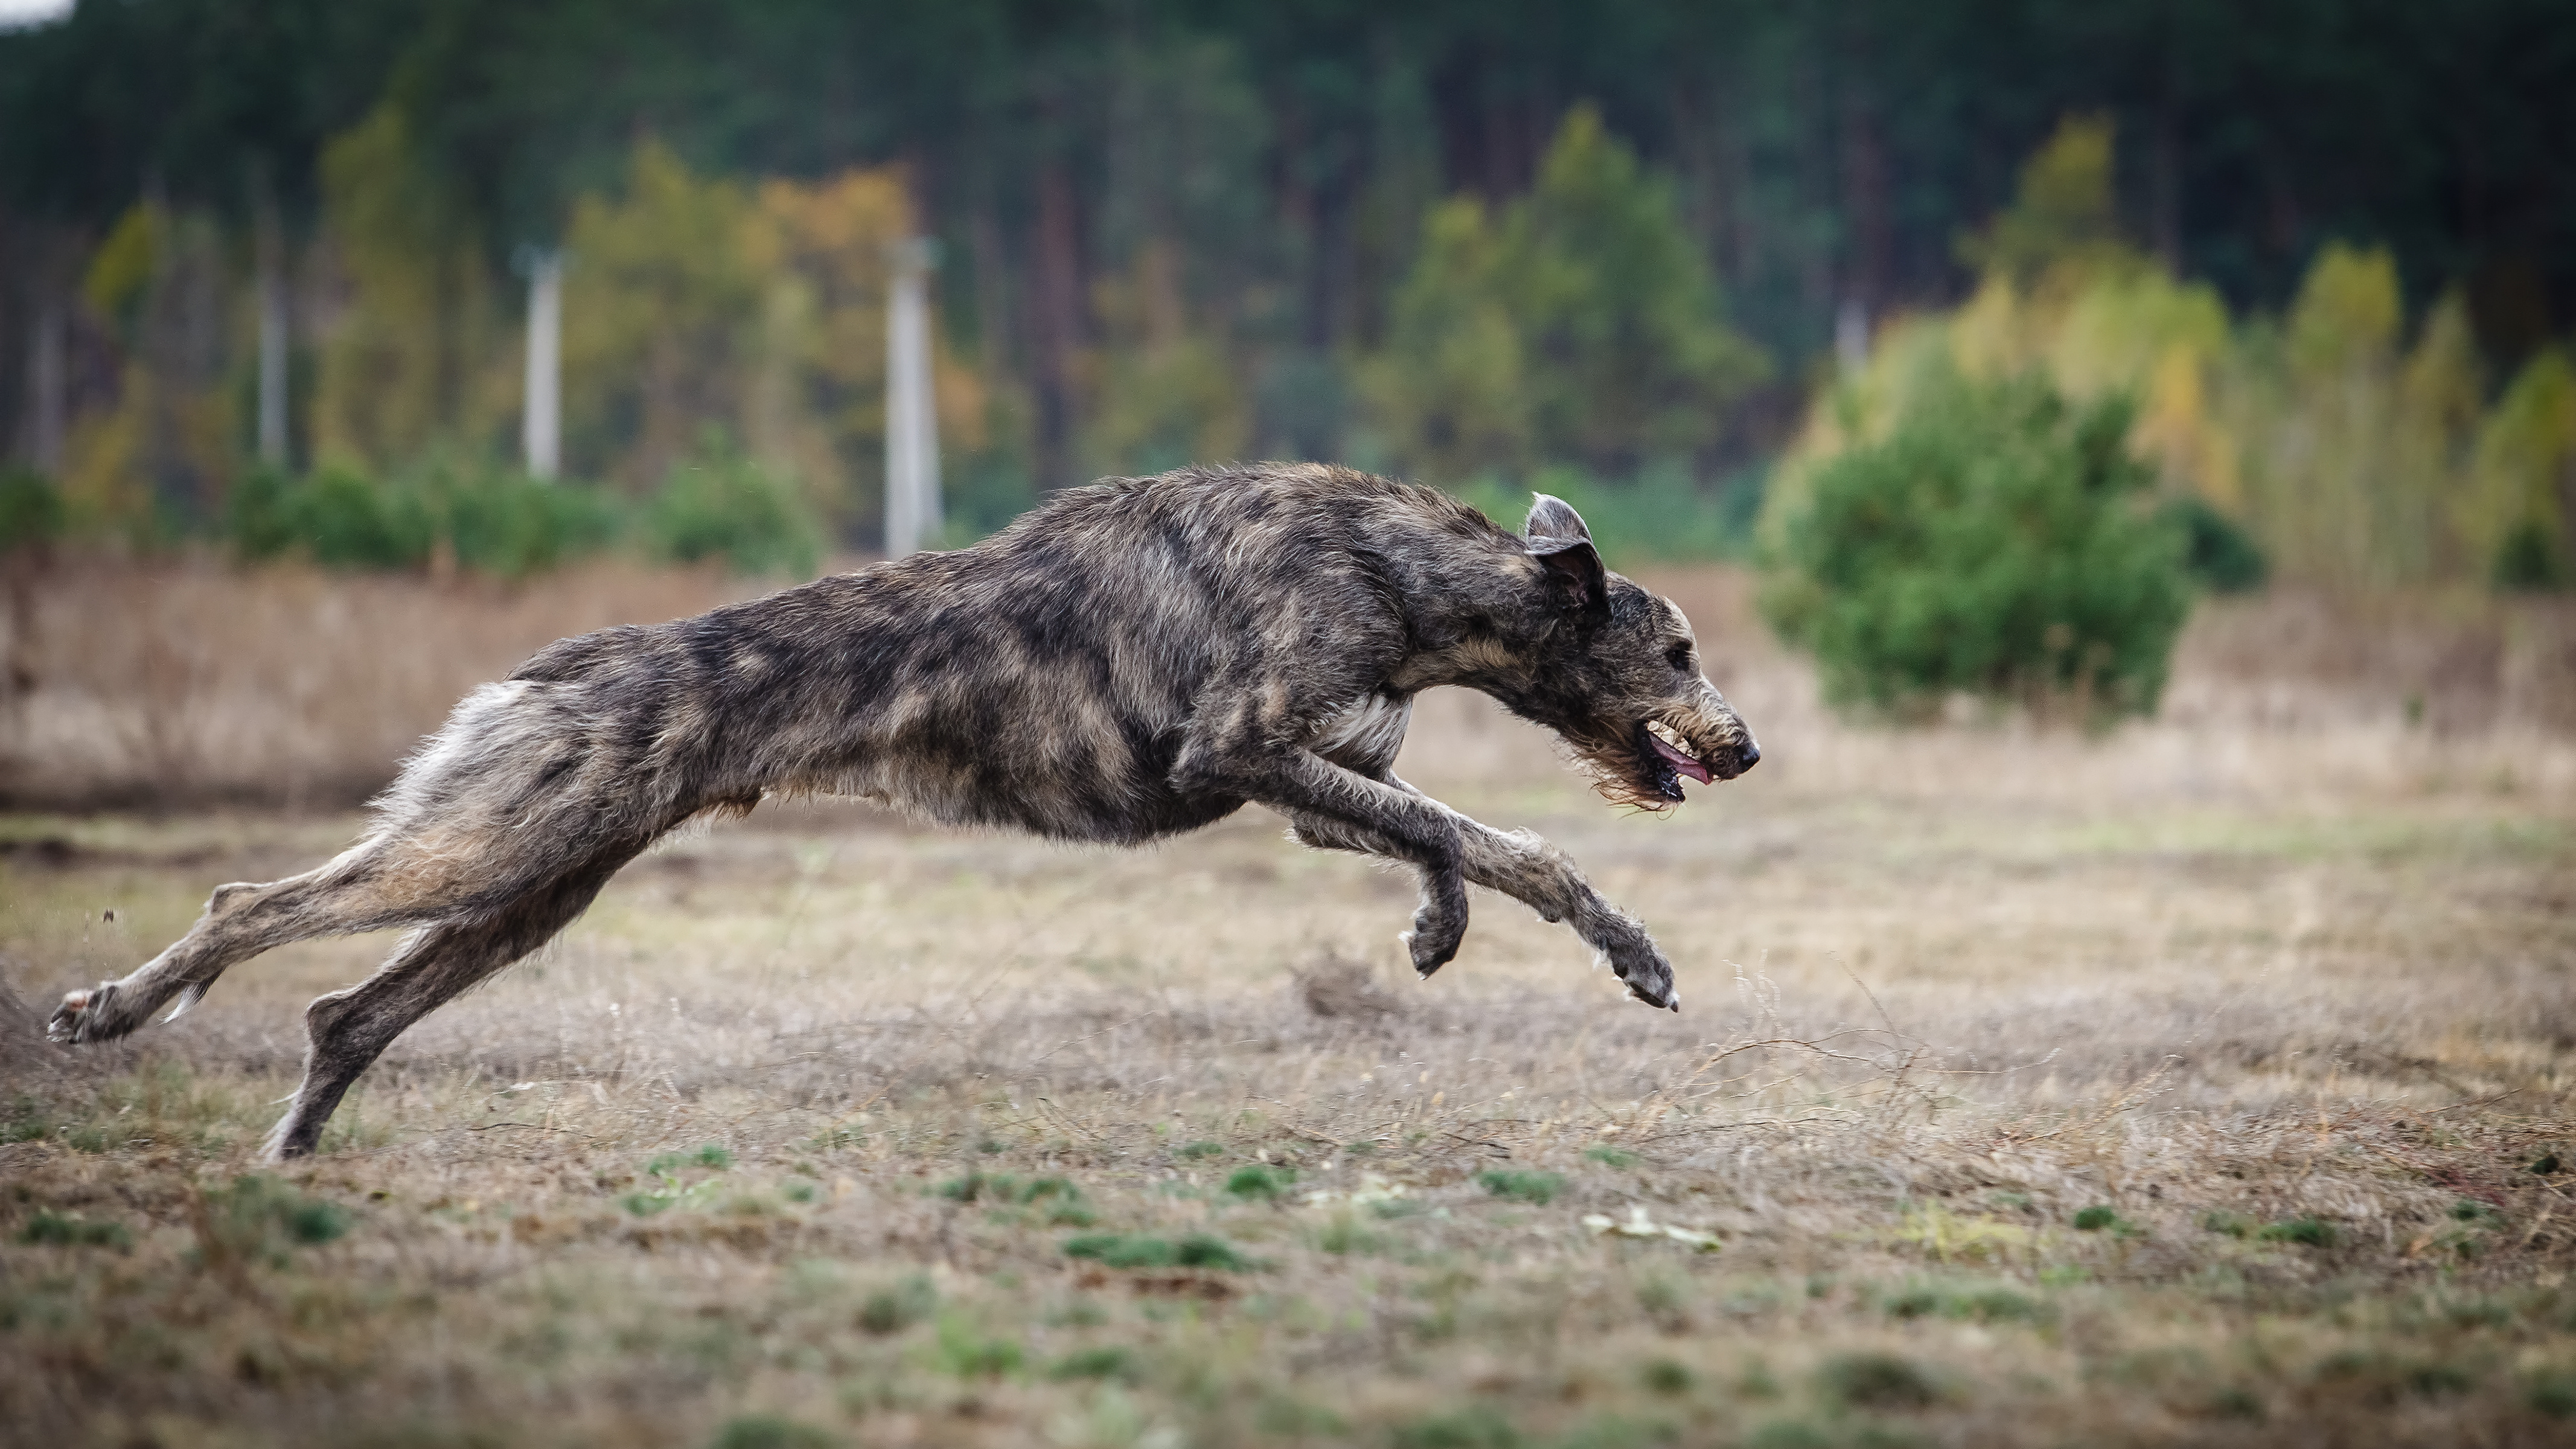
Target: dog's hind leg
<point x="1530" y="870"/>
<point x="348" y="1030"/>
<point x="363" y="890"/>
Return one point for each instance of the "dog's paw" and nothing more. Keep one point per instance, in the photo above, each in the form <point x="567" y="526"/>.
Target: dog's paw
<point x="1434" y="940"/>
<point x="82" y="1015"/>
<point x="1431" y="945"/>
<point x="1648" y="975"/>
<point x="1439" y="924"/>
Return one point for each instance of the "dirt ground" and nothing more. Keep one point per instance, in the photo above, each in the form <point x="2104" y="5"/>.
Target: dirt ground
<point x="2207" y="1082"/>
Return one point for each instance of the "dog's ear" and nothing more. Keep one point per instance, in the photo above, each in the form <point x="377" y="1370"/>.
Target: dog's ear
<point x="1558" y="539"/>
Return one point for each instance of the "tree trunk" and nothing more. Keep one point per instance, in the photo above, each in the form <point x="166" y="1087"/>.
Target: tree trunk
<point x="1057" y="322"/>
<point x="270" y="247"/>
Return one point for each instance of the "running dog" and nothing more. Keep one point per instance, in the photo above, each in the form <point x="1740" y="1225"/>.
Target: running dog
<point x="1128" y="661"/>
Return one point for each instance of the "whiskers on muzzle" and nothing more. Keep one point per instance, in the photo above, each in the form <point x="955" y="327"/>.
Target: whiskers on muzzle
<point x="1646" y="767"/>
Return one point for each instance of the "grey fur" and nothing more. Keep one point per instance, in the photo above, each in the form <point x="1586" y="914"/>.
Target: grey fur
<point x="1131" y="660"/>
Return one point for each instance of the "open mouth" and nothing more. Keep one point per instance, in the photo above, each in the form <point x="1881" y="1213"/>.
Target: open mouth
<point x="1668" y="759"/>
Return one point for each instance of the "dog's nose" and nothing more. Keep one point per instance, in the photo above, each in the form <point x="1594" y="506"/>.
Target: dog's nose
<point x="1750" y="754"/>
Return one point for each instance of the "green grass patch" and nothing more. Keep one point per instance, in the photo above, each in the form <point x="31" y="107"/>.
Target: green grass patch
<point x="1343" y="1235"/>
<point x="27" y="1121"/>
<point x="2552" y="1393"/>
<point x="2306" y="1232"/>
<point x="966" y="1352"/>
<point x="1666" y="1376"/>
<point x="71" y="1230"/>
<point x="712" y="1156"/>
<point x="1539" y="1188"/>
<point x="2102" y="1218"/>
<point x="1876" y="1381"/>
<point x="768" y="1431"/>
<point x="1197" y="1150"/>
<point x="1108" y="1361"/>
<point x="1121" y="1250"/>
<point x="1477" y="1427"/>
<point x="898" y="1306"/>
<point x="259" y="1218"/>
<point x="1056" y="1200"/>
<point x="1266" y="1183"/>
<point x="1972" y="1303"/>
<point x="1609" y="1156"/>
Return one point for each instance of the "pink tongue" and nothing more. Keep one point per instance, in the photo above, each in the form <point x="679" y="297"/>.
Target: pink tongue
<point x="1679" y="761"/>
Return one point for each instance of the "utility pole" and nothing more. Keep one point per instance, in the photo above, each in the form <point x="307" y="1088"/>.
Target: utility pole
<point x="1851" y="337"/>
<point x="541" y="412"/>
<point x="912" y="513"/>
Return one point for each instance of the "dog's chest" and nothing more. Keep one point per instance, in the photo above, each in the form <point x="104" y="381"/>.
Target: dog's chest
<point x="1365" y="734"/>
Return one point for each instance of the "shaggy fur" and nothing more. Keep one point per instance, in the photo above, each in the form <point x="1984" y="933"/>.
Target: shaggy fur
<point x="1131" y="660"/>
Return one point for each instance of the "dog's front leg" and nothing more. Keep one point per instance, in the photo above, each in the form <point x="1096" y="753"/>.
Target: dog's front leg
<point x="1401" y="823"/>
<point x="1527" y="868"/>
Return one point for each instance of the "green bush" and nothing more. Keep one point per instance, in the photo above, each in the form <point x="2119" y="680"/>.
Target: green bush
<point x="2529" y="561"/>
<point x="1994" y="543"/>
<point x="723" y="505"/>
<point x="510" y="525"/>
<point x="338" y="518"/>
<point x="347" y="520"/>
<point x="2221" y="556"/>
<point x="31" y="512"/>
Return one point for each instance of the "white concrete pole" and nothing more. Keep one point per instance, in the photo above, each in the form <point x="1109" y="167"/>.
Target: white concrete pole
<point x="1851" y="337"/>
<point x="541" y="419"/>
<point x="912" y="424"/>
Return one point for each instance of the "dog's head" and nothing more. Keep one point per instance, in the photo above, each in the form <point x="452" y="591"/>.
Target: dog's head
<point x="1625" y="688"/>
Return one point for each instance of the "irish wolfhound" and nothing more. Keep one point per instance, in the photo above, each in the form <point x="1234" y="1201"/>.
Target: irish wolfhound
<point x="1132" y="659"/>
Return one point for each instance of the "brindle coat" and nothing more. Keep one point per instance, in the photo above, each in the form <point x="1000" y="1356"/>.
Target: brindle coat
<point x="1131" y="660"/>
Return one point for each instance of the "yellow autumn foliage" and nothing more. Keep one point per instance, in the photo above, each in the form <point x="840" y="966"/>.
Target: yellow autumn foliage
<point x="2359" y="457"/>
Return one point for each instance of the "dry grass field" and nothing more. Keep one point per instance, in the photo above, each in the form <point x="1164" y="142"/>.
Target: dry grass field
<point x="2208" y="1082"/>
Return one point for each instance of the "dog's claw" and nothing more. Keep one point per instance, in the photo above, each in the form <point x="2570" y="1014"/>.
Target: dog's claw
<point x="1671" y="1000"/>
<point x="64" y="1027"/>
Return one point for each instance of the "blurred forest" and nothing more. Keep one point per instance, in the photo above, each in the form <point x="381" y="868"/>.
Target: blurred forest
<point x="1632" y="251"/>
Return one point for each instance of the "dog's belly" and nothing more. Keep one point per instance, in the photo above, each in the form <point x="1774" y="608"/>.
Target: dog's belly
<point x="1366" y="735"/>
<point x="1105" y="779"/>
<point x="1111" y="811"/>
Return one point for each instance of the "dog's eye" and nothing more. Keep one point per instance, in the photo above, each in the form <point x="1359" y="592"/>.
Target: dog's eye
<point x="1679" y="656"/>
